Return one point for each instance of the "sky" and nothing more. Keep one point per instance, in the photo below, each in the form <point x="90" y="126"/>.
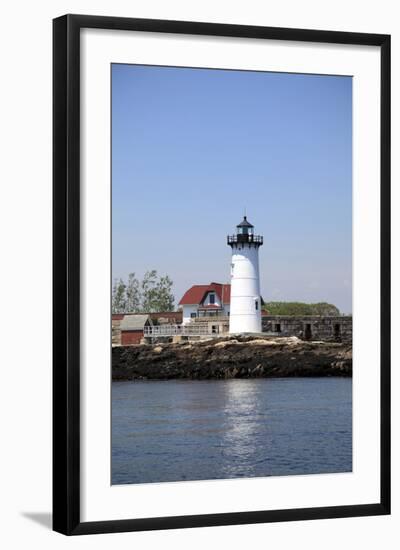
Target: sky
<point x="192" y="149"/>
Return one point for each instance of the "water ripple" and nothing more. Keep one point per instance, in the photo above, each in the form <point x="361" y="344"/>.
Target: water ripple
<point x="192" y="430"/>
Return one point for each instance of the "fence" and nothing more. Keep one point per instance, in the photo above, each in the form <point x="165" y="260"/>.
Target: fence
<point x="176" y="330"/>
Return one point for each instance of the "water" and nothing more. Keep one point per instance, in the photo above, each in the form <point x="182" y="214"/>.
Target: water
<point x="191" y="430"/>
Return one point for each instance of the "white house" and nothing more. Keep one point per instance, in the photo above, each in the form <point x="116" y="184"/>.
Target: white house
<point x="211" y="300"/>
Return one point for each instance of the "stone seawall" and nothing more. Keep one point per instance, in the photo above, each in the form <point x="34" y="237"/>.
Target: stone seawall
<point x="312" y="327"/>
<point x="241" y="357"/>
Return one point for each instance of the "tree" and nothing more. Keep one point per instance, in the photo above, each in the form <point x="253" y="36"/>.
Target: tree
<point x="164" y="299"/>
<point x="322" y="308"/>
<point x="300" y="308"/>
<point x="157" y="292"/>
<point x="119" y="301"/>
<point x="133" y="294"/>
<point x="149" y="292"/>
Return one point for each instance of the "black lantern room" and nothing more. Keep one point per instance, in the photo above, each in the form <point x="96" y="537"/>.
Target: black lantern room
<point x="245" y="234"/>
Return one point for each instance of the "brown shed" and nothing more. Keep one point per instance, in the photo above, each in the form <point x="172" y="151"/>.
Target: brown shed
<point x="132" y="328"/>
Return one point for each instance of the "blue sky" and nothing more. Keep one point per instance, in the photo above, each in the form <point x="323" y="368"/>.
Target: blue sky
<point x="193" y="148"/>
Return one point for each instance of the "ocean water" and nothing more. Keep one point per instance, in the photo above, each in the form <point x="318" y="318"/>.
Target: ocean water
<point x="197" y="430"/>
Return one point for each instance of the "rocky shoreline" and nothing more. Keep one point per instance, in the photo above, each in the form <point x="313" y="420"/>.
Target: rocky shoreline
<point x="232" y="357"/>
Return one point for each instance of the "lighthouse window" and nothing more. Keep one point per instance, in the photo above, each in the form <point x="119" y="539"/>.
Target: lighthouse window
<point x="256" y="304"/>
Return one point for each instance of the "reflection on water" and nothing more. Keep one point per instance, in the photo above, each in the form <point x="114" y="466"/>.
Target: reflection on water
<point x="189" y="430"/>
<point x="243" y="412"/>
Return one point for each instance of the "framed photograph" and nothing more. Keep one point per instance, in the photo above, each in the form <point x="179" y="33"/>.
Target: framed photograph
<point x="221" y="274"/>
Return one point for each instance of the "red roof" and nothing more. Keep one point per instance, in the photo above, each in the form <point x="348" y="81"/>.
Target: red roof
<point x="196" y="294"/>
<point x="174" y="315"/>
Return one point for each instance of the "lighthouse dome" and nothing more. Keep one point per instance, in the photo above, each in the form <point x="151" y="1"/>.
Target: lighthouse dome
<point x="245" y="227"/>
<point x="245" y="223"/>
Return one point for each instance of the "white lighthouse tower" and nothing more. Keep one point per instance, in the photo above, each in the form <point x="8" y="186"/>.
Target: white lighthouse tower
<point x="245" y="311"/>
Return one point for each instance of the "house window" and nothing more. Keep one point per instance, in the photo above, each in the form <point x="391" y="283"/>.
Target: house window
<point x="212" y="298"/>
<point x="193" y="315"/>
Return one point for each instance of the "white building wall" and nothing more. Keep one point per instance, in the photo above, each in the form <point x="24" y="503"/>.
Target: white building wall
<point x="187" y="310"/>
<point x="186" y="313"/>
<point x="245" y="307"/>
<point x="217" y="301"/>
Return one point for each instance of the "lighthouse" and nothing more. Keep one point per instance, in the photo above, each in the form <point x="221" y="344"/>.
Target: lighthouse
<point x="245" y="311"/>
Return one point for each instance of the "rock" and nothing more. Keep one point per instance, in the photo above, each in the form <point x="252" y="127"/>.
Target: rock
<point x="263" y="342"/>
<point x="225" y="343"/>
<point x="239" y="357"/>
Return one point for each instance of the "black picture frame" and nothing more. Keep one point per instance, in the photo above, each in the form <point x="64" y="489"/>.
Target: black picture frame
<point x="66" y="272"/>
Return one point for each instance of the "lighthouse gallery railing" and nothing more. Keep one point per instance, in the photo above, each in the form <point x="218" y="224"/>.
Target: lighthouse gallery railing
<point x="238" y="238"/>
